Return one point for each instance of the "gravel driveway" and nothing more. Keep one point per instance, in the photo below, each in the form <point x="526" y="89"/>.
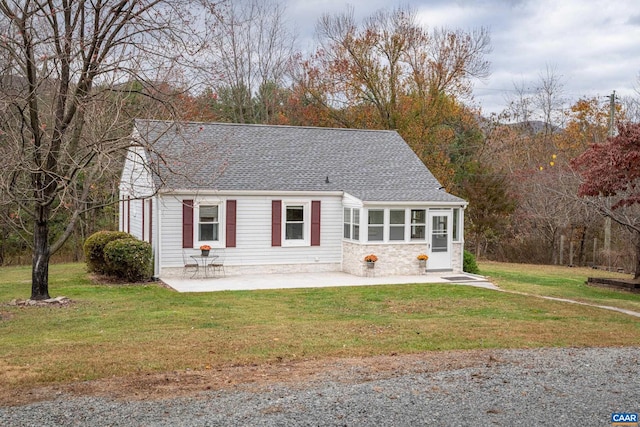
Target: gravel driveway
<point x="542" y="387"/>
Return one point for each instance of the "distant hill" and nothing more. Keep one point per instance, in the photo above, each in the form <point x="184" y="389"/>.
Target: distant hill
<point x="534" y="126"/>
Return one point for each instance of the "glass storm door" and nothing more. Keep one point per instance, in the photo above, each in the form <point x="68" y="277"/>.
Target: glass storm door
<point x="439" y="241"/>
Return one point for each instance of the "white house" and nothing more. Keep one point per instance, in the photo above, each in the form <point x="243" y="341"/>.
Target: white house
<point x="286" y="199"/>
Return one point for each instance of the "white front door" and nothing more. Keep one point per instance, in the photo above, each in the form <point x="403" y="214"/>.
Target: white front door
<point x="440" y="239"/>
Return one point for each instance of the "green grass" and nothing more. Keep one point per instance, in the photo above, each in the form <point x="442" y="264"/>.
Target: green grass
<point x="126" y="329"/>
<point x="560" y="282"/>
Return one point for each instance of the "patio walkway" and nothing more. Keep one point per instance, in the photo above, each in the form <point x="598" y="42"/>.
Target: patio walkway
<point x="314" y="280"/>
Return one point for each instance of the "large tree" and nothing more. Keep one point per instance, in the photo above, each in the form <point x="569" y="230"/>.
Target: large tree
<point x="373" y="64"/>
<point x="389" y="72"/>
<point x="610" y="175"/>
<point x="64" y="68"/>
<point x="253" y="55"/>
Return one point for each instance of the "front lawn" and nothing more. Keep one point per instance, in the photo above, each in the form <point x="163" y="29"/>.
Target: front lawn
<point x="116" y="330"/>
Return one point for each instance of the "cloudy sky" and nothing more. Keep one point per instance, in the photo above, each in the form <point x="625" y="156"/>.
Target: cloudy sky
<point x="593" y="45"/>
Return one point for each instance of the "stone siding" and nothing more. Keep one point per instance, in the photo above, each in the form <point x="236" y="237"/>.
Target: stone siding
<point x="393" y="259"/>
<point x="456" y="256"/>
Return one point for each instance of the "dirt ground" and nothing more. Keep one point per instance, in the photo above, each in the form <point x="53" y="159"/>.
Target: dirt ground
<point x="253" y="377"/>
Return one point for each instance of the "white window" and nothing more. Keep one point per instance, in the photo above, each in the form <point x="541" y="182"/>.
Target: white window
<point x="456" y="225"/>
<point x="294" y="222"/>
<point x="296" y="230"/>
<point x="347" y="223"/>
<point x="208" y="223"/>
<point x="208" y="227"/>
<point x="351" y="224"/>
<point x="418" y="224"/>
<point x="375" y="225"/>
<point x="396" y="224"/>
<point x="356" y="224"/>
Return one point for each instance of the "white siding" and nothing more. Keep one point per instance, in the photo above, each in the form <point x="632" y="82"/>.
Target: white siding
<point x="254" y="254"/>
<point x="253" y="235"/>
<point x="135" y="218"/>
<point x="136" y="180"/>
<point x="135" y="184"/>
<point x="140" y="219"/>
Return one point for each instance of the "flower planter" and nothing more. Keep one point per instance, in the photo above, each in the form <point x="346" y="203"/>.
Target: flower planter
<point x="422" y="264"/>
<point x="205" y="252"/>
<point x="371" y="264"/>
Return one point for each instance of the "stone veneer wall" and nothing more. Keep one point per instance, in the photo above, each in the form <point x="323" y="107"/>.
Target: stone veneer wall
<point x="456" y="256"/>
<point x="393" y="259"/>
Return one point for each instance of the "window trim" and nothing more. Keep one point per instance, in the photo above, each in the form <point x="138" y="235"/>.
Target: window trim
<point x="384" y="225"/>
<point x="419" y="224"/>
<point x="455" y="225"/>
<point x="408" y="223"/>
<point x="356" y="224"/>
<point x="220" y="243"/>
<point x="347" y="223"/>
<point x="352" y="223"/>
<point x="306" y="224"/>
<point x="403" y="224"/>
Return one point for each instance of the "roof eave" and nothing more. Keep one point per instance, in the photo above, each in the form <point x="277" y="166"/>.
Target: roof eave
<point x="430" y="203"/>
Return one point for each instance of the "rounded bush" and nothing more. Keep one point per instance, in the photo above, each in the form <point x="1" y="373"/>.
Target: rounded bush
<point x="469" y="263"/>
<point x="129" y="259"/>
<point x="94" y="249"/>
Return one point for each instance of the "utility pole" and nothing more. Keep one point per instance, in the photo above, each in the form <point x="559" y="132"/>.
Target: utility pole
<point x="607" y="220"/>
<point x="612" y="114"/>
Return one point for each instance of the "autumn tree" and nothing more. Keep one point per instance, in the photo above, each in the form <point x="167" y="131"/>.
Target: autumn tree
<point x="610" y="175"/>
<point x="388" y="72"/>
<point x="64" y="64"/>
<point x="387" y="57"/>
<point x="534" y="149"/>
<point x="587" y="123"/>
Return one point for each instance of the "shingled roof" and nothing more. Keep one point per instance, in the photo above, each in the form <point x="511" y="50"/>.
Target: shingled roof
<point x="372" y="165"/>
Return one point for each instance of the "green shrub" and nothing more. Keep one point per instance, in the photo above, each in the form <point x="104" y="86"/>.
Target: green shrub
<point x="469" y="263"/>
<point x="129" y="259"/>
<point x="94" y="249"/>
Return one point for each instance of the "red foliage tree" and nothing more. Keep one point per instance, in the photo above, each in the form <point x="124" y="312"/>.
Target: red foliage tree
<point x="610" y="175"/>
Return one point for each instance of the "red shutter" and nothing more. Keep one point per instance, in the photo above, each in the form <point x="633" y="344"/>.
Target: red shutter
<point x="187" y="223"/>
<point x="315" y="223"/>
<point x="231" y="224"/>
<point x="276" y="223"/>
<point x="150" y="220"/>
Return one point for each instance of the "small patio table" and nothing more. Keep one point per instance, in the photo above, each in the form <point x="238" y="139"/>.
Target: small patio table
<point x="202" y="262"/>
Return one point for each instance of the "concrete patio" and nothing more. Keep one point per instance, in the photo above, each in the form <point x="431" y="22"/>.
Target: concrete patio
<point x="314" y="280"/>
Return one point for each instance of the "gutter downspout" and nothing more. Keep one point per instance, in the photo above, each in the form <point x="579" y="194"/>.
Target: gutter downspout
<point x="157" y="247"/>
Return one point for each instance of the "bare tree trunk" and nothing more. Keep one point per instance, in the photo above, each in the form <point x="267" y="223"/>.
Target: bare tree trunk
<point x="41" y="255"/>
<point x="477" y="245"/>
<point x="582" y="253"/>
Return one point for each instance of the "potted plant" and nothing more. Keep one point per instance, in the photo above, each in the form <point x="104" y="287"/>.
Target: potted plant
<point x="422" y="260"/>
<point x="371" y="260"/>
<point x="204" y="250"/>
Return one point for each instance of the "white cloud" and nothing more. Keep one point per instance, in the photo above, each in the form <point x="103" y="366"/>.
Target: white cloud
<point x="593" y="44"/>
